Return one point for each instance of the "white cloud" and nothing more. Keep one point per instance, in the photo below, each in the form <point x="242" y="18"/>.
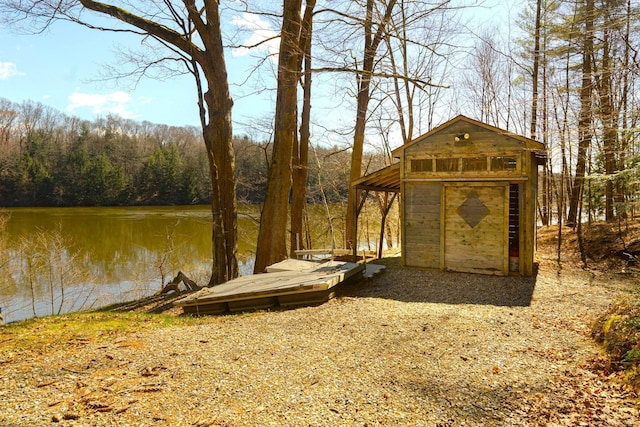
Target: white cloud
<point x="8" y="70"/>
<point x="260" y="31"/>
<point x="118" y="103"/>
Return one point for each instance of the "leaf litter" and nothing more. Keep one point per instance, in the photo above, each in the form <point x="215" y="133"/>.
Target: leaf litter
<point x="410" y="347"/>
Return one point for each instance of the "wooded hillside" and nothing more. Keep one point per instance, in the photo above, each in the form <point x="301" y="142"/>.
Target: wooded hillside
<point x="48" y="158"/>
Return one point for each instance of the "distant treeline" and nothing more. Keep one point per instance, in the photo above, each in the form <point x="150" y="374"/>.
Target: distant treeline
<point x="50" y="159"/>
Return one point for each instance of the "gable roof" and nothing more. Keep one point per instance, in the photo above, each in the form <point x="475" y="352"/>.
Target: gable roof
<point x="529" y="144"/>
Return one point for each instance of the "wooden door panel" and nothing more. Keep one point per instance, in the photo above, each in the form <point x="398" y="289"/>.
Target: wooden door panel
<point x="474" y="232"/>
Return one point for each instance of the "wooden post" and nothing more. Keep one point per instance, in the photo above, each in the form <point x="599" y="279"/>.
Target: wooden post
<point x="383" y="221"/>
<point x="358" y="208"/>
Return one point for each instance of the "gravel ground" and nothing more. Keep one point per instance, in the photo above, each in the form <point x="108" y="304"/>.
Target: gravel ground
<point x="409" y="347"/>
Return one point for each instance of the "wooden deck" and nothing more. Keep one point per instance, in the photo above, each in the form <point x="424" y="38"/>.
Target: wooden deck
<point x="287" y="283"/>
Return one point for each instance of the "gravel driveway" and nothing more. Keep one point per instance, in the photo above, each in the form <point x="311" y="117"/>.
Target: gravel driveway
<point x="409" y="347"/>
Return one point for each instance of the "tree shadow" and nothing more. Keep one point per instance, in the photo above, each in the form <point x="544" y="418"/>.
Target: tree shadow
<point x="419" y="285"/>
<point x="152" y="304"/>
<point x="465" y="403"/>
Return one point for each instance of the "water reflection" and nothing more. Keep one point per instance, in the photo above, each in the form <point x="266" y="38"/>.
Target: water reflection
<point x="64" y="259"/>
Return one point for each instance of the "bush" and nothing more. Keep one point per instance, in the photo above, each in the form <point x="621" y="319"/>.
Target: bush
<point x="618" y="331"/>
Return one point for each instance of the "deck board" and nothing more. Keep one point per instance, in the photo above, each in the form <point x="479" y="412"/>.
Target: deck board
<point x="287" y="283"/>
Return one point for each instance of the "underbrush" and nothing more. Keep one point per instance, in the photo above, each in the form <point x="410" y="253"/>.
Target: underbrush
<point x="618" y="331"/>
<point x="606" y="246"/>
<point x="610" y="248"/>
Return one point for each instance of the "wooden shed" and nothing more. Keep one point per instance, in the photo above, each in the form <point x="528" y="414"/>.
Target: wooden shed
<point x="468" y="198"/>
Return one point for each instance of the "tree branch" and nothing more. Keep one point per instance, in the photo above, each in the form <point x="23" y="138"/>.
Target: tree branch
<point x="152" y="28"/>
<point x="416" y="81"/>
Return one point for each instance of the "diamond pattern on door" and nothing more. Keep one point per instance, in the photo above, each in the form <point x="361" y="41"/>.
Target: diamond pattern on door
<point x="472" y="210"/>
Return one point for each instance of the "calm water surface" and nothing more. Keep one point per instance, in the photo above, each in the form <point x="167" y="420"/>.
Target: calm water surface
<point x="65" y="259"/>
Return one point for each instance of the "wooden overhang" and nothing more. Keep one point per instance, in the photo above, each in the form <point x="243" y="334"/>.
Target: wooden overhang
<point x="385" y="180"/>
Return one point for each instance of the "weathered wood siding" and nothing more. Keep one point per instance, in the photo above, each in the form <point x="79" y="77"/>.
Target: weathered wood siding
<point x="422" y="224"/>
<point x="468" y="161"/>
<point x="481" y="140"/>
<point x="528" y="217"/>
<point x="475" y="234"/>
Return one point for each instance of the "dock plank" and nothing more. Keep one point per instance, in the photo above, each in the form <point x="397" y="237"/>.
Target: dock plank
<point x="288" y="283"/>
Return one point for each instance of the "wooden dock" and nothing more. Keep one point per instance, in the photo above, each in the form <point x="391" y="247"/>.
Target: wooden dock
<point x="287" y="283"/>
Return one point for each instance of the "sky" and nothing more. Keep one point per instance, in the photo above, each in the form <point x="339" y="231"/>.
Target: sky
<point x="62" y="68"/>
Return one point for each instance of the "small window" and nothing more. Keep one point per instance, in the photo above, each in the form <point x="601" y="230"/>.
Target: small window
<point x="447" y="165"/>
<point x="474" y="164"/>
<point x="421" y="165"/>
<point x="504" y="163"/>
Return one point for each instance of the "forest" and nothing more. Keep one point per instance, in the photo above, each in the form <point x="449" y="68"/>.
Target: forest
<point x="48" y="158"/>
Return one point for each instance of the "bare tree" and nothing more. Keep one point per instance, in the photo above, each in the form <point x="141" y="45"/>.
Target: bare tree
<point x="301" y="150"/>
<point x="535" y="78"/>
<point x="374" y="35"/>
<point x="188" y="34"/>
<point x="486" y="81"/>
<point x="584" y="119"/>
<point x="419" y="47"/>
<point x="272" y="240"/>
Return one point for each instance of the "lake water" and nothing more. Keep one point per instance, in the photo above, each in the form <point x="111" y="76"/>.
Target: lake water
<point x="65" y="259"/>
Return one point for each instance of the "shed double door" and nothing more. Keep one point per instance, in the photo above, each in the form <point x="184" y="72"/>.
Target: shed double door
<point x="475" y="233"/>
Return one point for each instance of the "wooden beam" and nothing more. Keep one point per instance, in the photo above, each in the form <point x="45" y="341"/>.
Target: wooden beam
<point x="382" y="189"/>
<point x="469" y="180"/>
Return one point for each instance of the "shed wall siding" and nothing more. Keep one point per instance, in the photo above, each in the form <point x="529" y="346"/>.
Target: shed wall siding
<point x="449" y="180"/>
<point x="481" y="140"/>
<point x="422" y="224"/>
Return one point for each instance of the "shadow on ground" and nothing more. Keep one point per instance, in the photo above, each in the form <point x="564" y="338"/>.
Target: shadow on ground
<point x="418" y="285"/>
<point x="397" y="283"/>
<point x="151" y="304"/>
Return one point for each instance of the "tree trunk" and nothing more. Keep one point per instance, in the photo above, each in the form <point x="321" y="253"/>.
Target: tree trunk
<point x="272" y="244"/>
<point x="544" y="217"/>
<point x="609" y="137"/>
<point x="301" y="151"/>
<point x="536" y="67"/>
<point x="371" y="44"/>
<point x="625" y="137"/>
<point x="224" y="263"/>
<point x="218" y="136"/>
<point x="584" y="119"/>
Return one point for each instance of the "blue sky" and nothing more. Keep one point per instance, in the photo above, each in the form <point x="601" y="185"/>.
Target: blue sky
<point x="61" y="68"/>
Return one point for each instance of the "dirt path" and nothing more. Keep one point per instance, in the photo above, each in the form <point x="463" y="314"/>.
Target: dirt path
<point x="411" y="347"/>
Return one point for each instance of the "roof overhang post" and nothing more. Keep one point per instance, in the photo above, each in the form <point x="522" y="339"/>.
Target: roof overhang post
<point x="360" y="199"/>
<point x="383" y="221"/>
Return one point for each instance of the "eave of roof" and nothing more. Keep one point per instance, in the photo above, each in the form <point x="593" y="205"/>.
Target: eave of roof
<point x="385" y="180"/>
